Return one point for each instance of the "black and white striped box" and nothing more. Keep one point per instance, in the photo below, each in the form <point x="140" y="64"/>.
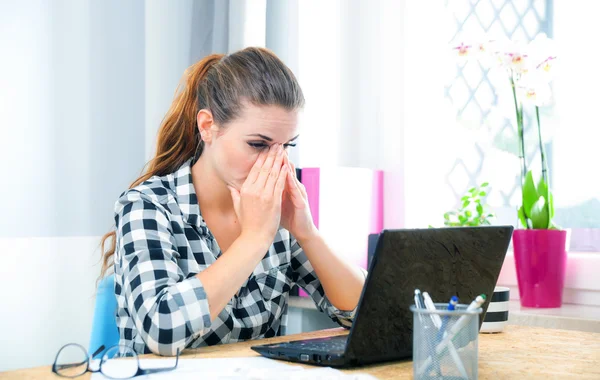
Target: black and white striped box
<point x="496" y="316"/>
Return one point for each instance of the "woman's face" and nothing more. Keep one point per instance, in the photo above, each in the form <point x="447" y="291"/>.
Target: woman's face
<point x="234" y="149"/>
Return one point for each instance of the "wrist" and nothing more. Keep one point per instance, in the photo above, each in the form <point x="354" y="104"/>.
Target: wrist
<point x="309" y="237"/>
<point x="261" y="242"/>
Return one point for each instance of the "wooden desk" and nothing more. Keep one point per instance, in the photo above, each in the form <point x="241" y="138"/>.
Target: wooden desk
<point x="519" y="352"/>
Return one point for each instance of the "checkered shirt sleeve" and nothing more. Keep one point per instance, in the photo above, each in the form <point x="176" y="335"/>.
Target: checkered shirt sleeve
<point x="168" y="309"/>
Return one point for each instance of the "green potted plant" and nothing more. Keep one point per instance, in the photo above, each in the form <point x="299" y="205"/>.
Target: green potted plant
<point x="473" y="211"/>
<point x="540" y="245"/>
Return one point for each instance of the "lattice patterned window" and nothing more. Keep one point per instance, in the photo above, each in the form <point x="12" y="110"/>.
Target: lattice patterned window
<point x="477" y="97"/>
<point x="481" y="102"/>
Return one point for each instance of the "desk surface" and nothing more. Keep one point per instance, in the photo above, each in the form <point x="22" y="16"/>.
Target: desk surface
<point x="519" y="352"/>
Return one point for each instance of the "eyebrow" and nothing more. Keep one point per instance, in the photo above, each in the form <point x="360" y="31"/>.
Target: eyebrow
<point x="270" y="139"/>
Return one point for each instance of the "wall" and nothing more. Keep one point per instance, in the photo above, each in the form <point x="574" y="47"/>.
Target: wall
<point x="72" y="139"/>
<point x="84" y="87"/>
<point x="48" y="287"/>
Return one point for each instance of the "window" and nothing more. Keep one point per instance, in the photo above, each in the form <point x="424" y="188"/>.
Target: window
<point x="382" y="92"/>
<point x="480" y="101"/>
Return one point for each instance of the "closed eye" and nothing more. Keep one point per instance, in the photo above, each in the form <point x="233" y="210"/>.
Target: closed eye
<point x="262" y="146"/>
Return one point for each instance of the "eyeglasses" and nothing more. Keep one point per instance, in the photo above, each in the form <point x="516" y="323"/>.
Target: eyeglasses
<point x="118" y="362"/>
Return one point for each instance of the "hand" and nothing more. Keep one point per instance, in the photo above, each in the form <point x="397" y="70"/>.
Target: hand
<point x="258" y="203"/>
<point x="296" y="216"/>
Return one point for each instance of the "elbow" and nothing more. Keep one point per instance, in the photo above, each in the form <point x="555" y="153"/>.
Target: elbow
<point x="165" y="349"/>
<point x="171" y="322"/>
<point x="164" y="339"/>
<point x="167" y="337"/>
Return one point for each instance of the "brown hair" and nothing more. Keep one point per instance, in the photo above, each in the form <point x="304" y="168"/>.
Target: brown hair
<point x="220" y="84"/>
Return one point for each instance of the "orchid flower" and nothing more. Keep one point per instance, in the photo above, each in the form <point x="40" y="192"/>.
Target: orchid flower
<point x="516" y="58"/>
<point x="534" y="88"/>
<point x="543" y="53"/>
<point x="464" y="50"/>
<point x="534" y="85"/>
<point x="470" y="47"/>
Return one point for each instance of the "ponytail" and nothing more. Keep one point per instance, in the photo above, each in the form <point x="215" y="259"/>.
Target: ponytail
<point x="178" y="139"/>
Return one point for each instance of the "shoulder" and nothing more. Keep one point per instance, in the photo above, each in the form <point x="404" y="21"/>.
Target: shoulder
<point x="156" y="192"/>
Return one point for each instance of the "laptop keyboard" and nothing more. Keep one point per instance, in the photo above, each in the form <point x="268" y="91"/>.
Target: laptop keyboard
<point x="334" y="344"/>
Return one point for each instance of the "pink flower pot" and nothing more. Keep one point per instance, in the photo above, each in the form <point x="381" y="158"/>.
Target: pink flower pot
<point x="541" y="260"/>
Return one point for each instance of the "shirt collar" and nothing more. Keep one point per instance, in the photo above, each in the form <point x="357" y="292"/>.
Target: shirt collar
<point x="187" y="199"/>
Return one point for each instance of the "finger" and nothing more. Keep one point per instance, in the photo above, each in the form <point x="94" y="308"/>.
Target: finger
<point x="302" y="189"/>
<point x="275" y="170"/>
<point x="294" y="195"/>
<point x="255" y="171"/>
<point x="293" y="190"/>
<point x="286" y="164"/>
<point x="266" y="167"/>
<point x="292" y="167"/>
<point x="295" y="178"/>
<point x="280" y="184"/>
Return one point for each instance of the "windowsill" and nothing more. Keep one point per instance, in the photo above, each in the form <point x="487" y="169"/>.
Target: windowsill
<point x="581" y="281"/>
<point x="581" y="296"/>
<point x="568" y="317"/>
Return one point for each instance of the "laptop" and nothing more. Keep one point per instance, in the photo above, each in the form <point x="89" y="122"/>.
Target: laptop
<point x="461" y="261"/>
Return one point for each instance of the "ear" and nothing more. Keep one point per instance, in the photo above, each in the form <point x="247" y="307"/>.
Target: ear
<point x="205" y="122"/>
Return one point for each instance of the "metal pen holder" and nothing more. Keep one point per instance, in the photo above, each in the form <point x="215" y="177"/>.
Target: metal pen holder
<point x="445" y="342"/>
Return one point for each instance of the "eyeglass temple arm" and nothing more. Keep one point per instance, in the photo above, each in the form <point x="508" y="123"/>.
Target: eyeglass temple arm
<point x="70" y="365"/>
<point x="99" y="350"/>
<point x="155" y="370"/>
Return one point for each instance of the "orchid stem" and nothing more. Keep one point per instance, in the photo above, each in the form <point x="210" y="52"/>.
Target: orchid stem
<point x="545" y="173"/>
<point x="520" y="132"/>
<point x="542" y="151"/>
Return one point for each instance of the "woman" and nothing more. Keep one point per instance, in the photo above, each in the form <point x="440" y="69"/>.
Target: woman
<point x="212" y="237"/>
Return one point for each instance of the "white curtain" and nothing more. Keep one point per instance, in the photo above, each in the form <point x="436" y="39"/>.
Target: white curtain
<point x="85" y="85"/>
<point x="371" y="73"/>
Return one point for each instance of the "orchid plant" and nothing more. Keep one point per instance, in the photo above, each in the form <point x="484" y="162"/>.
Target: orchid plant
<point x="529" y="68"/>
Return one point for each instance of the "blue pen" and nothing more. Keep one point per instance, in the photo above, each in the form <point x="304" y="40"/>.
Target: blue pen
<point x="442" y="333"/>
<point x="451" y="306"/>
<point x="453" y="302"/>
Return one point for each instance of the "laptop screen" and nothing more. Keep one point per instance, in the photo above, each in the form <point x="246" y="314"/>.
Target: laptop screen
<point x="462" y="261"/>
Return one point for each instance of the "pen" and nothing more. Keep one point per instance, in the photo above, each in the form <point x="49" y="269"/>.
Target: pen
<point x="453" y="302"/>
<point x="462" y="321"/>
<point x="420" y="304"/>
<point x="451" y="306"/>
<point x="431" y="306"/>
<point x="419" y="300"/>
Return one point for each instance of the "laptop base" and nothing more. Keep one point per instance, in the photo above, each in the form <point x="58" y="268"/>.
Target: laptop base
<point x="327" y="351"/>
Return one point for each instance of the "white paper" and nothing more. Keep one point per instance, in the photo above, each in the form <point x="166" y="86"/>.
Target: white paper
<point x="254" y="368"/>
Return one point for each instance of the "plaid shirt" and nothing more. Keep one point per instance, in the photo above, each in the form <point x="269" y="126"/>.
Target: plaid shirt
<point x="163" y="242"/>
